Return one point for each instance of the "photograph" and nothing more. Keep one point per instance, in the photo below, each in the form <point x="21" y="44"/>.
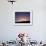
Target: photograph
<point x="23" y="18"/>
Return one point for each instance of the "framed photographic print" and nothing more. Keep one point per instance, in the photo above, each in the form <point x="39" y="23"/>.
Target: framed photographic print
<point x="23" y="18"/>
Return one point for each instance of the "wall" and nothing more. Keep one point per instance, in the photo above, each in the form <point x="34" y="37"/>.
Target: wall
<point x="9" y="31"/>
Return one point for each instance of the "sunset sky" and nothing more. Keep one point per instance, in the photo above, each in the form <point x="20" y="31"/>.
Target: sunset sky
<point x="22" y="16"/>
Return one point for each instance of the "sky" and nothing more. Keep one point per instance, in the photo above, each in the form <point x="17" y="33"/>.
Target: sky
<point x="22" y="13"/>
<point x="22" y="16"/>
